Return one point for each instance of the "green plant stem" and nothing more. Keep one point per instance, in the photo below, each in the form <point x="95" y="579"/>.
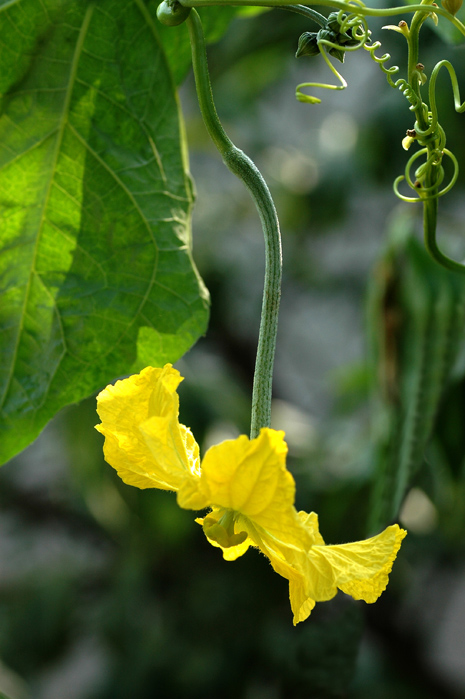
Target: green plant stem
<point x="244" y="168"/>
<point x="336" y="4"/>
<point x="412" y="70"/>
<point x="430" y="204"/>
<point x="306" y="12"/>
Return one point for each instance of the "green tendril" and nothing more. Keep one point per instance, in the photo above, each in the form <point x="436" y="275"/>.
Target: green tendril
<point x="430" y="192"/>
<point x="429" y="175"/>
<point x="302" y="97"/>
<point x="350" y="33"/>
<point x="432" y="94"/>
<point x="381" y="60"/>
<point x="346" y="30"/>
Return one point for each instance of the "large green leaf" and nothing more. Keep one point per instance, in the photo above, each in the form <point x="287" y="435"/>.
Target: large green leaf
<point x="96" y="275"/>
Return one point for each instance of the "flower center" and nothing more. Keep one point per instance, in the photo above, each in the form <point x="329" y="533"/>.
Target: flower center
<point x="219" y="527"/>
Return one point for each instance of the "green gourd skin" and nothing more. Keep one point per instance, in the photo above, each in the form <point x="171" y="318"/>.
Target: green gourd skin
<point x="429" y="304"/>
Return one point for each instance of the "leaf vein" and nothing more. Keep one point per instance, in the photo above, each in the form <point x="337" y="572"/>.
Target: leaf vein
<point x="60" y="131"/>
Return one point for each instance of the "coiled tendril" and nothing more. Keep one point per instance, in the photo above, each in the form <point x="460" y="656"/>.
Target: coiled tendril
<point x="425" y="179"/>
<point x="346" y="30"/>
<point x="352" y="25"/>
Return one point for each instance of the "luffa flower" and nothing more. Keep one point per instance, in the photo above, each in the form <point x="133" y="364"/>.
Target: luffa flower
<point x="246" y="487"/>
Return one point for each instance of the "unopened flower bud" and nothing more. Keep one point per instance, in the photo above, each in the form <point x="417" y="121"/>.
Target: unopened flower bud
<point x="452" y="6"/>
<point x="407" y="142"/>
<point x="403" y="26"/>
<point x="409" y="139"/>
<point x="332" y="22"/>
<point x="420" y="67"/>
<point x="308" y="45"/>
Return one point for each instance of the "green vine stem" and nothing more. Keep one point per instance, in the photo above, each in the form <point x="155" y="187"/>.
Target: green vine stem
<point x="431" y="205"/>
<point x="427" y="131"/>
<point x="305" y="11"/>
<point x="244" y="168"/>
<point x="432" y="137"/>
<point x="351" y="7"/>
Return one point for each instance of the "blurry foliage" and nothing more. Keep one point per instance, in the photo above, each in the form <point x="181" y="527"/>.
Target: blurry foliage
<point x="107" y="592"/>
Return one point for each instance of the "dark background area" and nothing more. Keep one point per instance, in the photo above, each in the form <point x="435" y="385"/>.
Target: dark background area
<point x="108" y="592"/>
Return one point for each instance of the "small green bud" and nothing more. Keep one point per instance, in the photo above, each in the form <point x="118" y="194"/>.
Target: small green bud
<point x="420" y="172"/>
<point x="333" y="23"/>
<point x="171" y="13"/>
<point x="404" y="28"/>
<point x="307" y="45"/>
<point x="420" y="68"/>
<point x="327" y="35"/>
<point x="347" y="39"/>
<point x="401" y="28"/>
<point x="337" y="53"/>
<point x="309" y="41"/>
<point x="452" y="6"/>
<point x="407" y="142"/>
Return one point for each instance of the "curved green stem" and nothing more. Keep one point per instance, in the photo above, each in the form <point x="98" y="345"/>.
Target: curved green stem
<point x="412" y="70"/>
<point x="242" y="166"/>
<point x="306" y="12"/>
<point x="355" y="5"/>
<point x="430" y="214"/>
<point x="458" y="106"/>
<point x="435" y="143"/>
<point x="302" y="97"/>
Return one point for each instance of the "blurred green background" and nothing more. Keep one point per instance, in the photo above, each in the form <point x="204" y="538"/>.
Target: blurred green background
<point x="107" y="592"/>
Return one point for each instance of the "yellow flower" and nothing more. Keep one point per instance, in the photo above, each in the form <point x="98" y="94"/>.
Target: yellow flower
<point x="247" y="488"/>
<point x="144" y="441"/>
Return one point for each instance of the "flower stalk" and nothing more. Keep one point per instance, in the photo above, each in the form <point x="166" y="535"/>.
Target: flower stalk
<point x="245" y="169"/>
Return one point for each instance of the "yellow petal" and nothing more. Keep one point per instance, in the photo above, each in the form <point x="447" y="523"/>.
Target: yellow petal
<point x="234" y="552"/>
<point x="407" y="142"/>
<point x="173" y="451"/>
<point x="251" y="478"/>
<point x="190" y="495"/>
<point x="310" y="522"/>
<point x="360" y="569"/>
<point x="144" y="441"/>
<point x="244" y="475"/>
<point x="301" y="603"/>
